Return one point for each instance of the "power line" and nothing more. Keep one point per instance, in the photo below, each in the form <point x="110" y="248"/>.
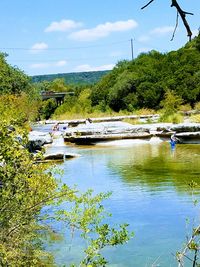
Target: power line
<point x="56" y="60"/>
<point x="62" y="48"/>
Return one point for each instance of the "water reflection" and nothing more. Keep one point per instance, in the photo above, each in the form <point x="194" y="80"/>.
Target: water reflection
<point x="157" y="166"/>
<point x="150" y="192"/>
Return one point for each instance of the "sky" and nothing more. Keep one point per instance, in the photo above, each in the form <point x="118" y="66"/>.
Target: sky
<point x="63" y="36"/>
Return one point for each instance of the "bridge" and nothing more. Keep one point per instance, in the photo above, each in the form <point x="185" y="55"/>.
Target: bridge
<point x="58" y="96"/>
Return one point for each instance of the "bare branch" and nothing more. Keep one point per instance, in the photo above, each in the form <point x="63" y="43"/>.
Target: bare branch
<point x="147" y="4"/>
<point x="183" y="17"/>
<point x="182" y="13"/>
<point x="175" y="27"/>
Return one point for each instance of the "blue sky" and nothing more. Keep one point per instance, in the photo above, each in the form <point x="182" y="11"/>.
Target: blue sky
<point x="58" y="36"/>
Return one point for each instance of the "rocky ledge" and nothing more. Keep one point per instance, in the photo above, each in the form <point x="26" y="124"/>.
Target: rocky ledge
<point x="38" y="139"/>
<point x="95" y="132"/>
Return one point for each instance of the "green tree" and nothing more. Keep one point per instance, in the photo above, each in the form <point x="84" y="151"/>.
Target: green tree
<point x="27" y="187"/>
<point x="47" y="108"/>
<point x="12" y="80"/>
<point x="58" y="85"/>
<point x="171" y="102"/>
<point x="118" y="95"/>
<point x="84" y="100"/>
<point x="19" y="108"/>
<point x="67" y="106"/>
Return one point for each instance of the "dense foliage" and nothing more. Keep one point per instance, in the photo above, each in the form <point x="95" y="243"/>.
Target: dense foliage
<point x="23" y="191"/>
<point x="27" y="187"/>
<point x="152" y="81"/>
<point x="72" y="78"/>
<point x="21" y="109"/>
<point x="143" y="82"/>
<point x="12" y="80"/>
<point x="31" y="196"/>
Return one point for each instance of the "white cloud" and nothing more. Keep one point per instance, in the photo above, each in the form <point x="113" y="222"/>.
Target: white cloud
<point x="63" y="26"/>
<point x="103" y="30"/>
<point x="43" y="65"/>
<point x="162" y="30"/>
<point x="39" y="66"/>
<point x="87" y="67"/>
<point x="38" y="47"/>
<point x="61" y="63"/>
<point x="159" y="31"/>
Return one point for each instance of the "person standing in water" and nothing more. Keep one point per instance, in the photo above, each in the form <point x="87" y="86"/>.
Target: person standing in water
<point x="173" y="141"/>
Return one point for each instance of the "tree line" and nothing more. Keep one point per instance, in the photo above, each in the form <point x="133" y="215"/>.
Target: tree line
<point x="146" y="82"/>
<point x="143" y="83"/>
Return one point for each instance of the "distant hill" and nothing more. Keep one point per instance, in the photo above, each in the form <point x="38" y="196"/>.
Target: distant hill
<point x="73" y="78"/>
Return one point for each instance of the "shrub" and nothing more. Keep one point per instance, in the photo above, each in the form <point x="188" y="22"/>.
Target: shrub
<point x="171" y="103"/>
<point x="195" y="118"/>
<point x="185" y="107"/>
<point x="197" y="106"/>
<point x="174" y="118"/>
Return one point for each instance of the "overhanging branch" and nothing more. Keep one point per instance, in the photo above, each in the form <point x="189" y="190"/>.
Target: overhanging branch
<point x="175" y="27"/>
<point x="147" y="4"/>
<point x="180" y="12"/>
<point x="183" y="17"/>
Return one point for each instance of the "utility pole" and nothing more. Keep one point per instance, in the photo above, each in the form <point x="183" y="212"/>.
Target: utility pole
<point x="132" y="56"/>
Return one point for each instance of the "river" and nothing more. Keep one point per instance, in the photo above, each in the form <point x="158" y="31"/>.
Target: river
<point x="150" y="192"/>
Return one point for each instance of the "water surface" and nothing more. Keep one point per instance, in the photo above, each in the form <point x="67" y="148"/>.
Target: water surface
<point x="150" y="191"/>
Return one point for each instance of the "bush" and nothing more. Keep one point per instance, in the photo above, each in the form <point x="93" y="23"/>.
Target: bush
<point x="174" y="118"/>
<point x="197" y="106"/>
<point x="25" y="189"/>
<point x="195" y="118"/>
<point x="20" y="109"/>
<point x="170" y="103"/>
<point x="185" y="107"/>
<point x="47" y="108"/>
<point x="145" y="111"/>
